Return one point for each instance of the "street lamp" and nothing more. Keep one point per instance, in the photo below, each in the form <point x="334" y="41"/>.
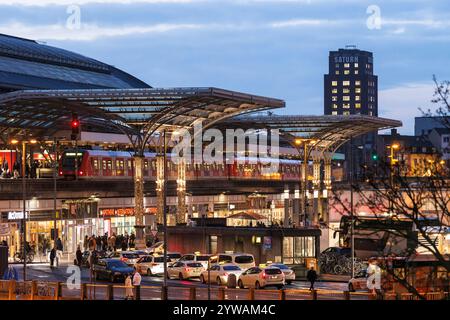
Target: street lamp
<point x="299" y="142"/>
<point x="24" y="221"/>
<point x="392" y="161"/>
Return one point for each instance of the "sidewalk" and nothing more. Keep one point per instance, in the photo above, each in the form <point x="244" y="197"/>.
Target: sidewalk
<point x="334" y="278"/>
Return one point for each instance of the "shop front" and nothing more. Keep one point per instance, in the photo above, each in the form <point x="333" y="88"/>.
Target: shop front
<point x="121" y="221"/>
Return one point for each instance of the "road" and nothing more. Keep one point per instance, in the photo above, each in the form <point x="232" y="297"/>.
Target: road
<point x="151" y="286"/>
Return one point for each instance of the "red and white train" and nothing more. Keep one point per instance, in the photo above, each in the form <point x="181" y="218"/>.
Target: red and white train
<point x="120" y="164"/>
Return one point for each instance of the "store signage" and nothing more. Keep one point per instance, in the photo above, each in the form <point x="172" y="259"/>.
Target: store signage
<point x="267" y="243"/>
<point x="4" y="229"/>
<point x="123" y="212"/>
<point x="17" y="215"/>
<point x="346" y="59"/>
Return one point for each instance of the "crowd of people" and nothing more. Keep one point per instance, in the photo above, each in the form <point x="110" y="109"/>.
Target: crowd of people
<point x="109" y="243"/>
<point x="14" y="172"/>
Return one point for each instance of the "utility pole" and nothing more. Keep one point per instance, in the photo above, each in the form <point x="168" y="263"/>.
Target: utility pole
<point x="352" y="226"/>
<point x="165" y="213"/>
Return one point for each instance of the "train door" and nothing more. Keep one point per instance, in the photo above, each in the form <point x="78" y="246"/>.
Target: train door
<point x="95" y="166"/>
<point x="107" y="167"/>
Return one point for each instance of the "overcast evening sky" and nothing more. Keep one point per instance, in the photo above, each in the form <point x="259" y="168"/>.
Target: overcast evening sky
<point x="273" y="48"/>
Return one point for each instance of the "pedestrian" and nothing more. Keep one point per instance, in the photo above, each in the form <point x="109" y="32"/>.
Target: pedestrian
<point x="59" y="250"/>
<point x="132" y="239"/>
<point x="312" y="277"/>
<point x="79" y="256"/>
<point x="85" y="242"/>
<point x="52" y="256"/>
<point x="129" y="295"/>
<point x="124" y="245"/>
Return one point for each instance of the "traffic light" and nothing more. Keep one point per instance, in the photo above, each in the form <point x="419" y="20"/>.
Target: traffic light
<point x="75" y="125"/>
<point x="374" y="157"/>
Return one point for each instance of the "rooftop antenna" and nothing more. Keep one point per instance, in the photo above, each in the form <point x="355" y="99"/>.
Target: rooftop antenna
<point x="350" y="46"/>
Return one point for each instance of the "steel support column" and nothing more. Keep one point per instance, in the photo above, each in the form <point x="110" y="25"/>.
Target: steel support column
<point x="159" y="188"/>
<point x="181" y="192"/>
<point x="327" y="187"/>
<point x="139" y="201"/>
<point x="317" y="205"/>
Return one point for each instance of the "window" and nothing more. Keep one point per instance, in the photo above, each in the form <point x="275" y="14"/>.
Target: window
<point x="336" y="65"/>
<point x="334" y="90"/>
<point x="357" y="83"/>
<point x="346" y="71"/>
<point x="370" y="113"/>
<point x="357" y="90"/>
<point x="358" y="105"/>
<point x="446" y="139"/>
<point x="357" y="98"/>
<point x="346" y="65"/>
<point x="334" y="98"/>
<point x="346" y="113"/>
<point x="296" y="249"/>
<point x="356" y="72"/>
<point x="345" y="83"/>
<point x="346" y="98"/>
<point x="336" y="72"/>
<point x="356" y="65"/>
<point x="346" y="106"/>
<point x="334" y="83"/>
<point x="346" y="90"/>
<point x="334" y="113"/>
<point x="334" y="106"/>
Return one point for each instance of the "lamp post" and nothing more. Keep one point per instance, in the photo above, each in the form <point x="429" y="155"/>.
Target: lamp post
<point x="299" y="143"/>
<point x="165" y="213"/>
<point x="24" y="219"/>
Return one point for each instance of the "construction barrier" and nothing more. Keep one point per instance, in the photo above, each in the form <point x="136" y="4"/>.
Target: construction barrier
<point x="43" y="290"/>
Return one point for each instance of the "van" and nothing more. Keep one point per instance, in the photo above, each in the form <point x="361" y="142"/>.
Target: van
<point x="243" y="260"/>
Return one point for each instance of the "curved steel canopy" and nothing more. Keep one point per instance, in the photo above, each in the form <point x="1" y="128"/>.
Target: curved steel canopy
<point x="327" y="132"/>
<point x="136" y="112"/>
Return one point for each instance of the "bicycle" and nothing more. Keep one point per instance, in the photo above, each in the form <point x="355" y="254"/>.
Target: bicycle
<point x="18" y="257"/>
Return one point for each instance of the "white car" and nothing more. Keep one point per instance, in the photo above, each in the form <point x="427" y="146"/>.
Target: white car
<point x="129" y="257"/>
<point x="260" y="278"/>
<point x="185" y="270"/>
<point x="196" y="257"/>
<point x="150" y="265"/>
<point x="219" y="273"/>
<point x="243" y="260"/>
<point x="289" y="274"/>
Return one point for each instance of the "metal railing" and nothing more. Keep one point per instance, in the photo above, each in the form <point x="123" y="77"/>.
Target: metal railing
<point x="43" y="290"/>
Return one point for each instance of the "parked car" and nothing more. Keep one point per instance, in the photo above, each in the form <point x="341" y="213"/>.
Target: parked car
<point x="196" y="257"/>
<point x="289" y="274"/>
<point x="260" y="278"/>
<point x="243" y="260"/>
<point x="111" y="269"/>
<point x="150" y="265"/>
<point x="129" y="257"/>
<point x="219" y="273"/>
<point x="359" y="282"/>
<point x="173" y="256"/>
<point x="185" y="270"/>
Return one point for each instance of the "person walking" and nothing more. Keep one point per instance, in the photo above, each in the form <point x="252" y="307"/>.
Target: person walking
<point x="86" y="242"/>
<point x="124" y="245"/>
<point x="59" y="250"/>
<point x="79" y="256"/>
<point x="137" y="283"/>
<point x="129" y="295"/>
<point x="52" y="257"/>
<point x="312" y="277"/>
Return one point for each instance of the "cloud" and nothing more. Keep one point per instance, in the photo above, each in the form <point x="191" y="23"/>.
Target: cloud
<point x="431" y="23"/>
<point x="88" y="32"/>
<point x="43" y="3"/>
<point x="308" y="22"/>
<point x="404" y="103"/>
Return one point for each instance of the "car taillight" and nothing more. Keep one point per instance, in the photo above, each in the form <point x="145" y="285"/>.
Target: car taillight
<point x="187" y="269"/>
<point x="60" y="173"/>
<point x="124" y="259"/>
<point x="80" y="173"/>
<point x="263" y="275"/>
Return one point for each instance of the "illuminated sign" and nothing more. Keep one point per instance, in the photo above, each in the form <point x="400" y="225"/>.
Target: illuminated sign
<point x="124" y="212"/>
<point x="346" y="59"/>
<point x="17" y="215"/>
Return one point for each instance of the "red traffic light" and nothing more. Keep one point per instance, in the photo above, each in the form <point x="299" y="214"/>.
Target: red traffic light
<point x="75" y="123"/>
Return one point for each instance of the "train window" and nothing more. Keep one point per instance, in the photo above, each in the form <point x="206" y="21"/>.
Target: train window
<point x="145" y="165"/>
<point x="104" y="164"/>
<point x="129" y="165"/>
<point x="109" y="164"/>
<point x="95" y="164"/>
<point x="153" y="165"/>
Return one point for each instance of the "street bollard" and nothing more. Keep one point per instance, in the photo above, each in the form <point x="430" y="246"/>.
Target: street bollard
<point x="346" y="295"/>
<point x="314" y="294"/>
<point x="12" y="290"/>
<point x="251" y="294"/>
<point x="164" y="293"/>
<point x="192" y="293"/>
<point x="282" y="295"/>
<point x="58" y="291"/>
<point x="110" y="293"/>
<point x="83" y="291"/>
<point x="138" y="292"/>
<point x="33" y="289"/>
<point x="221" y="294"/>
